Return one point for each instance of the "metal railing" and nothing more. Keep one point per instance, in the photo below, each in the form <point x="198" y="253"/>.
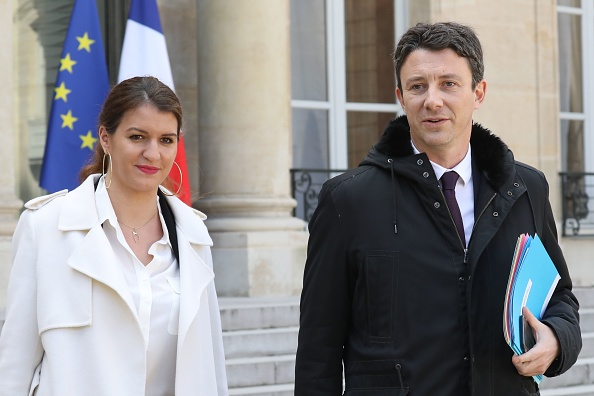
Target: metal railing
<point x="577" y="189"/>
<point x="305" y="188"/>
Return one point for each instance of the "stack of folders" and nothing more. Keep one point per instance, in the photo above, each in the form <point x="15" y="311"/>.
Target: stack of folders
<point x="532" y="280"/>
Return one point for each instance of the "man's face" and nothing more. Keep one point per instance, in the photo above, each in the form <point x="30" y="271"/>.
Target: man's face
<point x="439" y="101"/>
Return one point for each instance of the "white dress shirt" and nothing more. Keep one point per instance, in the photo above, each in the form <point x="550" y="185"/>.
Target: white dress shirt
<point x="155" y="291"/>
<point x="464" y="188"/>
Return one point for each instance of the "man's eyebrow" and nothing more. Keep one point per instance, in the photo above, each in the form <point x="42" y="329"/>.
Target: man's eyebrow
<point x="414" y="79"/>
<point x="452" y="76"/>
<point x="446" y="76"/>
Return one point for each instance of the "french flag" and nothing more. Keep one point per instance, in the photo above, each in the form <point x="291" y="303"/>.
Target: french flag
<point x="144" y="53"/>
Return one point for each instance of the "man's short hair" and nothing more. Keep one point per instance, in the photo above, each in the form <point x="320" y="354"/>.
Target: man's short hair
<point x="438" y="36"/>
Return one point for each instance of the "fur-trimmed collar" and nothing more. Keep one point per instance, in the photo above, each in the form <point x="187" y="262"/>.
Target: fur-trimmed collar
<point x="492" y="156"/>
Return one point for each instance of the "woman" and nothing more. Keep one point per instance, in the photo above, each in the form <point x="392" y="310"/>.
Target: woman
<point x="111" y="290"/>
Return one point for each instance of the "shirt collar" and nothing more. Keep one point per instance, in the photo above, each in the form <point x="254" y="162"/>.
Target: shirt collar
<point x="463" y="169"/>
<point x="105" y="211"/>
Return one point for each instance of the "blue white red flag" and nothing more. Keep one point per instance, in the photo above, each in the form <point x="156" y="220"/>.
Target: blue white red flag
<point x="144" y="53"/>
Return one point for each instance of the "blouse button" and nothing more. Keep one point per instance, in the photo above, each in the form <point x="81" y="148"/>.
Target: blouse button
<point x="495" y="214"/>
<point x="437" y="205"/>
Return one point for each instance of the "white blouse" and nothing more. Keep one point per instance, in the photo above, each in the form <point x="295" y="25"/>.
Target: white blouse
<point x="155" y="291"/>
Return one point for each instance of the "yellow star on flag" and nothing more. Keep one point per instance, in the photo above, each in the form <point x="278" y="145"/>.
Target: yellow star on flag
<point x="62" y="92"/>
<point x="68" y="120"/>
<point x="87" y="140"/>
<point x="85" y="42"/>
<point x="66" y="63"/>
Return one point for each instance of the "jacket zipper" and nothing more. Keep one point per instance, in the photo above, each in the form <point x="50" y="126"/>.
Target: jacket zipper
<point x="398" y="368"/>
<point x="474" y="225"/>
<point x="454" y="223"/>
<point x="464" y="248"/>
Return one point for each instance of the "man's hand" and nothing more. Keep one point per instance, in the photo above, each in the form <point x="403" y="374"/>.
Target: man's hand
<point x="538" y="359"/>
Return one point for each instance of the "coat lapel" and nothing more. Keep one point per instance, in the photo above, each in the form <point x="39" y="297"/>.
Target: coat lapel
<point x="195" y="276"/>
<point x="94" y="256"/>
<point x="492" y="205"/>
<point x="194" y="262"/>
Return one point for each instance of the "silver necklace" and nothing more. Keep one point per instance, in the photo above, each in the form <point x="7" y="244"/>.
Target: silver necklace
<point x="135" y="235"/>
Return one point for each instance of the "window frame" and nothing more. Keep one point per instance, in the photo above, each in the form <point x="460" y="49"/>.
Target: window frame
<point x="336" y="104"/>
<point x="586" y="13"/>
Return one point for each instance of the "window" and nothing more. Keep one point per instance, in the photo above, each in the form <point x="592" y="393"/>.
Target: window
<point x="576" y="64"/>
<point x="342" y="78"/>
<point x="576" y="88"/>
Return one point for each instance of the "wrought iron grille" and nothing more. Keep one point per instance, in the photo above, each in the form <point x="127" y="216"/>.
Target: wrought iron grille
<point x="305" y="188"/>
<point x="577" y="197"/>
<point x="578" y="207"/>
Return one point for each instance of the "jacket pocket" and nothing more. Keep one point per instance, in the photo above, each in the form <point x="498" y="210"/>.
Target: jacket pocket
<point x="376" y="378"/>
<point x="381" y="280"/>
<point x="530" y="386"/>
<point x="173" y="326"/>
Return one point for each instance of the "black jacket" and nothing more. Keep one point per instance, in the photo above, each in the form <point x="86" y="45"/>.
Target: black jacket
<point x="390" y="290"/>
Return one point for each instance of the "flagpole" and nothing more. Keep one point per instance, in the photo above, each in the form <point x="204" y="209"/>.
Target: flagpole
<point x="114" y="23"/>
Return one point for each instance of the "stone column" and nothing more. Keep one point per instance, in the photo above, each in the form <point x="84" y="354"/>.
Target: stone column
<point x="244" y="86"/>
<point x="9" y="203"/>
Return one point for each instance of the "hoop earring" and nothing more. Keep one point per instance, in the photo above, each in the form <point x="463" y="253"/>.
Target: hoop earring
<point x="103" y="170"/>
<point x="181" y="179"/>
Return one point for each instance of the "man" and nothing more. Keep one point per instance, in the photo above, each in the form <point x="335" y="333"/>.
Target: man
<point x="405" y="287"/>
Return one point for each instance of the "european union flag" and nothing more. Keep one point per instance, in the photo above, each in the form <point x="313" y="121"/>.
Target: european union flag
<point x="81" y="88"/>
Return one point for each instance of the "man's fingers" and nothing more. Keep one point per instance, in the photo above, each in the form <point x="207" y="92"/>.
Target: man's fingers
<point x="530" y="318"/>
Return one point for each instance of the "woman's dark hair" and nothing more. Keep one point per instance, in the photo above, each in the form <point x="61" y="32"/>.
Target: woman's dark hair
<point x="439" y="36"/>
<point x="129" y="95"/>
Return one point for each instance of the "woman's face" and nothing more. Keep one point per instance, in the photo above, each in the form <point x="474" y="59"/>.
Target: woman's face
<point x="142" y="149"/>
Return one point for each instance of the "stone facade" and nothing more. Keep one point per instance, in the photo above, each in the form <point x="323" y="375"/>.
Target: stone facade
<point x="522" y="105"/>
<point x="231" y="64"/>
<point x="9" y="203"/>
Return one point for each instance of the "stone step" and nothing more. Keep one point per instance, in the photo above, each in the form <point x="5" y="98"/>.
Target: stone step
<point x="585" y="296"/>
<point x="587" y="345"/>
<point x="587" y="319"/>
<point x="260" y="342"/>
<point x="580" y="390"/>
<point x="244" y="313"/>
<point x="582" y="373"/>
<point x="259" y="371"/>
<point x="269" y="390"/>
<point x="268" y="370"/>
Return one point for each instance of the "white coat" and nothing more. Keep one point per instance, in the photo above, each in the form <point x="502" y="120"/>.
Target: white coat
<point x="71" y="327"/>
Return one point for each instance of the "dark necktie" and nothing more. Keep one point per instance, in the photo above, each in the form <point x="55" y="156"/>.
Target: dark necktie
<point x="448" y="184"/>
